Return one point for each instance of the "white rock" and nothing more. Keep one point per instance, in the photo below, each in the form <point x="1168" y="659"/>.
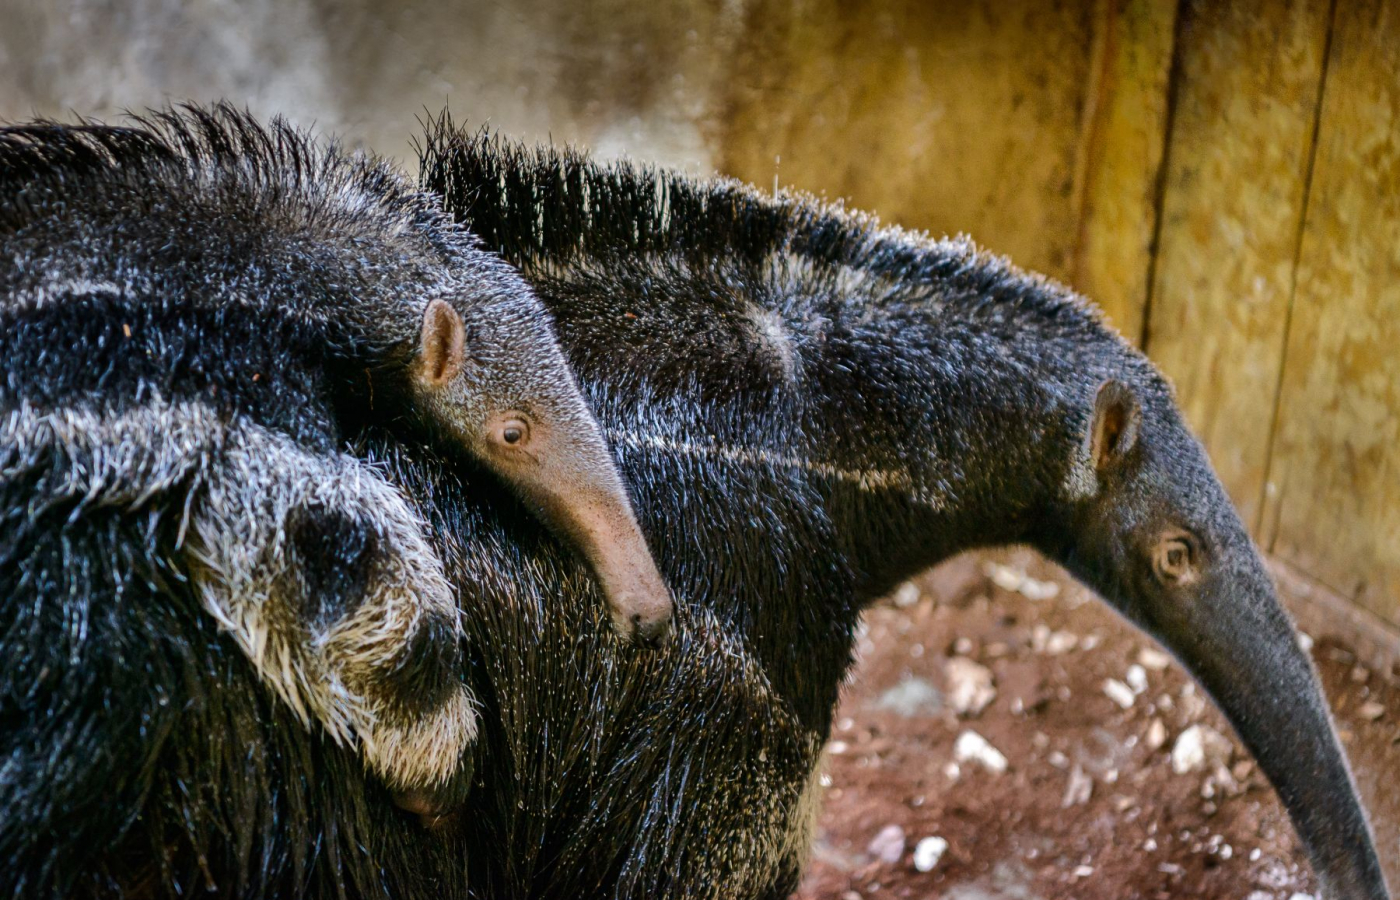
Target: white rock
<point x="888" y="845"/>
<point x="1060" y="642"/>
<point x="1370" y="710"/>
<point x="928" y="852"/>
<point x="1305" y="642"/>
<point x="972" y="747"/>
<point x="1119" y="693"/>
<point x="907" y="594"/>
<point x="912" y="697"/>
<point x="1038" y="590"/>
<point x="1301" y="896"/>
<point x="1156" y="735"/>
<point x="1136" y="679"/>
<point x="1009" y="579"/>
<point x="1153" y="659"/>
<point x="1079" y="789"/>
<point x="970" y="686"/>
<point x="1200" y="746"/>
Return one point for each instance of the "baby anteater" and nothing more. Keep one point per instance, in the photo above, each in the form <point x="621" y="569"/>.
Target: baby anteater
<point x="124" y="254"/>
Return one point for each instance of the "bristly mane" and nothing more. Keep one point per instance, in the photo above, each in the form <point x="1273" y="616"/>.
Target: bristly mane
<point x="209" y="154"/>
<point x="549" y="204"/>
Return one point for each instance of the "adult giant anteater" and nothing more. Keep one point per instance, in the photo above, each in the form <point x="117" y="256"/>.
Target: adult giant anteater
<point x="808" y="409"/>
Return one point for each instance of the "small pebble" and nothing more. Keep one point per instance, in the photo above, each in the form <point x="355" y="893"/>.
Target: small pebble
<point x="928" y="852"/>
<point x="1156" y="735"/>
<point x="970" y="686"/>
<point x="1198" y="746"/>
<point x="1153" y="659"/>
<point x="1079" y="789"/>
<point x="907" y="594"/>
<point x="1370" y="711"/>
<point x="888" y="845"/>
<point x="1136" y="679"/>
<point x="1119" y="693"/>
<point x="972" y="747"/>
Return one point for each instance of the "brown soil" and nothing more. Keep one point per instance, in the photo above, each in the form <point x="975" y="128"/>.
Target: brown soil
<point x="1143" y="831"/>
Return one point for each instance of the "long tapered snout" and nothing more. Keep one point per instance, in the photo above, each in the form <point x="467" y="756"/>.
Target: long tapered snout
<point x="569" y="478"/>
<point x="1157" y="535"/>
<point x="522" y="414"/>
<point x="1241" y="646"/>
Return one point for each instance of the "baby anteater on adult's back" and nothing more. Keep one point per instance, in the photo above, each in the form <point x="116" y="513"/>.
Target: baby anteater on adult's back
<point x="125" y="251"/>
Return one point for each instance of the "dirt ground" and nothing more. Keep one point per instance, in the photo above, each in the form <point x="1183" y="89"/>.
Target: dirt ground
<point x="1089" y="804"/>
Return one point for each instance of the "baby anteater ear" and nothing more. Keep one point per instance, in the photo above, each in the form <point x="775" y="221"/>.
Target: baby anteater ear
<point x="443" y="348"/>
<point x="1114" y="429"/>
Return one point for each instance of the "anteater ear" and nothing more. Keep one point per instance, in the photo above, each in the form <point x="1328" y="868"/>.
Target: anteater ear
<point x="444" y="345"/>
<point x="1114" y="430"/>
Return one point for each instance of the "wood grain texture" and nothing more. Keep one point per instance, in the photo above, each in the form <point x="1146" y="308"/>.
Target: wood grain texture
<point x="1335" y="477"/>
<point x="1121" y="157"/>
<point x="1232" y="206"/>
<point x="950" y="118"/>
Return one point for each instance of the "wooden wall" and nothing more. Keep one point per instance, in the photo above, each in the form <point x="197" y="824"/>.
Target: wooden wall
<point x="1223" y="177"/>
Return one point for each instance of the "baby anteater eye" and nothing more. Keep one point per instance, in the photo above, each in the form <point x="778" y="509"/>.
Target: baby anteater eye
<point x="1176" y="558"/>
<point x="512" y="431"/>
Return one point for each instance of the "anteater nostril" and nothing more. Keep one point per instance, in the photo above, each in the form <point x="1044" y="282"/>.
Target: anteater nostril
<point x="653" y="635"/>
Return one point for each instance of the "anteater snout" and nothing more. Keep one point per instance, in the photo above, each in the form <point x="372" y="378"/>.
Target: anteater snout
<point x="651" y="635"/>
<point x="643" y="624"/>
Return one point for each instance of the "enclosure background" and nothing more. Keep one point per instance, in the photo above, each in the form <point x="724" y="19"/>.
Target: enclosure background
<point x="1224" y="181"/>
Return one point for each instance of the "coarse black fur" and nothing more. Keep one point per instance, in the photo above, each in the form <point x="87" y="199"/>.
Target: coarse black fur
<point x="808" y="408"/>
<point x="153" y="279"/>
<point x="932" y="398"/>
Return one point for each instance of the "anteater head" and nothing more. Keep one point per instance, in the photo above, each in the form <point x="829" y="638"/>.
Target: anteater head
<point x="492" y="375"/>
<point x="1153" y="531"/>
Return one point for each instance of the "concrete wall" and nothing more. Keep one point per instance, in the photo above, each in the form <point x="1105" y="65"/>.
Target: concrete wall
<point x="1225" y="183"/>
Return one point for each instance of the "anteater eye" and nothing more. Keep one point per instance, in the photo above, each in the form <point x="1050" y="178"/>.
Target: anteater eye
<point x="1175" y="558"/>
<point x="512" y="431"/>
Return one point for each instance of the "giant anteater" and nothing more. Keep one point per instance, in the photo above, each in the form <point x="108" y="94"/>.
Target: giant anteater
<point x="807" y="408"/>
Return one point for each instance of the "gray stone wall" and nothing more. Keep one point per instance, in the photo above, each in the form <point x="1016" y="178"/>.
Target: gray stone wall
<point x="611" y="75"/>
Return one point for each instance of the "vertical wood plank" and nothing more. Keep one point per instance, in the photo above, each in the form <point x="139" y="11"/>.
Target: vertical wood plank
<point x="1335" y="476"/>
<point x="1121" y="157"/>
<point x="961" y="118"/>
<point x="1232" y="207"/>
